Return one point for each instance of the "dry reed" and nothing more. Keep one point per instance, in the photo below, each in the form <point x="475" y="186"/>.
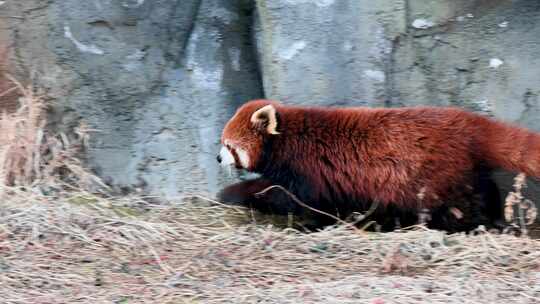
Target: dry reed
<point x="33" y="158"/>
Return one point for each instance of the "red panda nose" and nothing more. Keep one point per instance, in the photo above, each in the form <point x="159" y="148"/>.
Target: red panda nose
<point x="218" y="158"/>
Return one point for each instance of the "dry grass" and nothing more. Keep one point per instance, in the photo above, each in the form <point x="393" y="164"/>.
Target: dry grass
<point x="35" y="159"/>
<point x="82" y="248"/>
<point x="61" y="244"/>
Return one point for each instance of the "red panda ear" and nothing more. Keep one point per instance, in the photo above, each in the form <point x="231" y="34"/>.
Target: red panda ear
<point x="265" y="117"/>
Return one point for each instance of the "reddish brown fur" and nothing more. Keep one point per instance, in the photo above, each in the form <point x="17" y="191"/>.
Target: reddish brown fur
<point x="411" y="157"/>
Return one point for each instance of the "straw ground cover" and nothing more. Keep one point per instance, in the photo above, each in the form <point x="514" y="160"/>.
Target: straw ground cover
<point x="60" y="243"/>
<point x="79" y="248"/>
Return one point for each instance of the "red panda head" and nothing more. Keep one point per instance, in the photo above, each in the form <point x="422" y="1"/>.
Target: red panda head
<point x="244" y="135"/>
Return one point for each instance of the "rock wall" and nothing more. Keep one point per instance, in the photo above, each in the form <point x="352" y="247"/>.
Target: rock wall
<point x="158" y="78"/>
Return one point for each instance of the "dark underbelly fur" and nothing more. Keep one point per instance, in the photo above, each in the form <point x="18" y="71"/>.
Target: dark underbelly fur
<point x="479" y="204"/>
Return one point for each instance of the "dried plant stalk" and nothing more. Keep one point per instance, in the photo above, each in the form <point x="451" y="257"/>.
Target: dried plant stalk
<point x="519" y="211"/>
<point x="32" y="157"/>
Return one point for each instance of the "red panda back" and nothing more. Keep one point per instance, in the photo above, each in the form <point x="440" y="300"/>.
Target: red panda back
<point x="410" y="157"/>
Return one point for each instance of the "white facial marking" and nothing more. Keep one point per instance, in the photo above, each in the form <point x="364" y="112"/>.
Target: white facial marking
<point x="227" y="159"/>
<point x="243" y="157"/>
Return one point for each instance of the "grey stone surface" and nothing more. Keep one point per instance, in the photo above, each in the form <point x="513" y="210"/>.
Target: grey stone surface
<point x="158" y="78"/>
<point x="328" y="52"/>
<point x="484" y="58"/>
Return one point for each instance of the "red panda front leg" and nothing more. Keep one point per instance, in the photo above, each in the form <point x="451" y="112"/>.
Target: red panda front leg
<point x="242" y="192"/>
<point x="245" y="193"/>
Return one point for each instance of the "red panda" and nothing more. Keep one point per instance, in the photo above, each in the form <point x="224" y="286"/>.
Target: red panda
<point x="341" y="158"/>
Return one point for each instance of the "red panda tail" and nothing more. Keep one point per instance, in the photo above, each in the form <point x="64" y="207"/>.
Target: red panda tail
<point x="509" y="147"/>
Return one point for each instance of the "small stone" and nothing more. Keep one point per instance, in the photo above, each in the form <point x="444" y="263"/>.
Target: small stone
<point x="375" y="75"/>
<point x="87" y="260"/>
<point x="422" y="24"/>
<point x="495" y="63"/>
